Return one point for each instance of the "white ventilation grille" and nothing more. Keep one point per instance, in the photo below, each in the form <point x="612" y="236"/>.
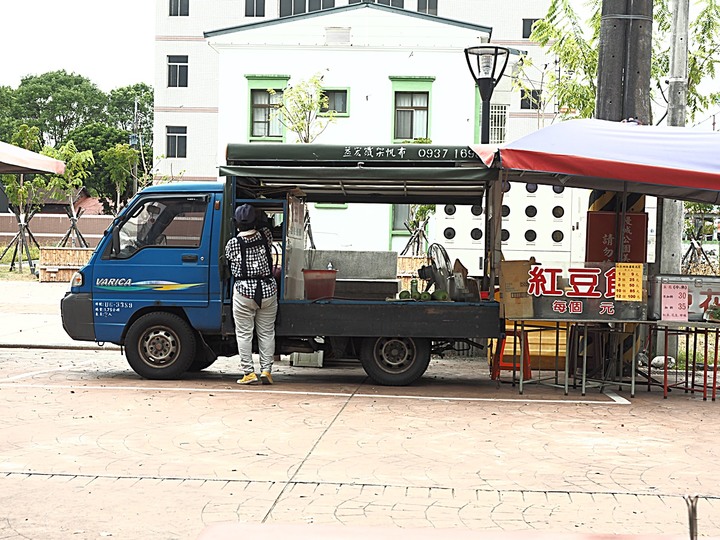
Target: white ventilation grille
<point x="337" y="35"/>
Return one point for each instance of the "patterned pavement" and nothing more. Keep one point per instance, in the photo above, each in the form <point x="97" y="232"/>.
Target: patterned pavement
<point x="89" y="450"/>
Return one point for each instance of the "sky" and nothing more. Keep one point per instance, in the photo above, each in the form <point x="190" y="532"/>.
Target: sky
<point x="110" y="43"/>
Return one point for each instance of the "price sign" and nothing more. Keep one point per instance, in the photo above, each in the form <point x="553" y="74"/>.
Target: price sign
<point x="628" y="282"/>
<point x="674" y="302"/>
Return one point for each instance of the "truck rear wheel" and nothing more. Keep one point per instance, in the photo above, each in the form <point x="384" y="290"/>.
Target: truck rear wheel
<point x="160" y="346"/>
<point x="393" y="361"/>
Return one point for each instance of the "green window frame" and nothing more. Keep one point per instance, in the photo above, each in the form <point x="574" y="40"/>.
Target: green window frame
<point x="333" y="206"/>
<point x="412" y="103"/>
<point x="335" y="95"/>
<point x="261" y="125"/>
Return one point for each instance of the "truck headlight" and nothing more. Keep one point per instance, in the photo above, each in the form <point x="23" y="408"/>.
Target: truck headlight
<point x="77" y="280"/>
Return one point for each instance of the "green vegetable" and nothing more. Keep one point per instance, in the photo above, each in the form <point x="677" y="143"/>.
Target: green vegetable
<point x="415" y="295"/>
<point x="425" y="296"/>
<point x="404" y="295"/>
<point x="439" y="295"/>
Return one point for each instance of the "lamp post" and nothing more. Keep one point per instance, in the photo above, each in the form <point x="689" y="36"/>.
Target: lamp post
<point x="487" y="64"/>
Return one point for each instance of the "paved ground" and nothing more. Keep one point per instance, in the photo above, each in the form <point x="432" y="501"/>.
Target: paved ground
<point x="88" y="450"/>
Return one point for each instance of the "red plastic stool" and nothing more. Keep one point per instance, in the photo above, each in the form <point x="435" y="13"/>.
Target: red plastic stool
<point x="499" y="363"/>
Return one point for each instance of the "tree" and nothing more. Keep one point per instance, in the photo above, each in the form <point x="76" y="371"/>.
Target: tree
<point x="122" y="111"/>
<point x="8" y="124"/>
<point x="572" y="80"/>
<point x="57" y="102"/>
<point x="24" y="193"/>
<point x="70" y="182"/>
<point x="120" y="161"/>
<point x="418" y="217"/>
<point x="304" y="110"/>
<point x="97" y="138"/>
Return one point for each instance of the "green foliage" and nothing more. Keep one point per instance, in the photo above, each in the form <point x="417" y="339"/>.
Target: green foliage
<point x="302" y="109"/>
<point x="573" y="81"/>
<point x="77" y="164"/>
<point x="58" y="102"/>
<point x="574" y="43"/>
<point x="119" y="161"/>
<point x="96" y="138"/>
<point x="419" y="140"/>
<point x="8" y="124"/>
<point x="67" y="107"/>
<point x="121" y="111"/>
<point x="24" y="191"/>
<point x="699" y="220"/>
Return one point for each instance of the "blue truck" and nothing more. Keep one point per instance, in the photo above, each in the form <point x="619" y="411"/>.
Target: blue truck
<point x="158" y="284"/>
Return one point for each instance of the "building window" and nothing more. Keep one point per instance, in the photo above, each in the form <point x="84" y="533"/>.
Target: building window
<point x="265" y="93"/>
<point x="177" y="71"/>
<point x="179" y="8"/>
<point x="498" y="121"/>
<point x="527" y="27"/>
<point x="296" y="7"/>
<point x="427" y="6"/>
<point x="531" y="99"/>
<point x="254" y="8"/>
<point x="337" y="101"/>
<point x="411" y="115"/>
<point x="400" y="214"/>
<point x="411" y="107"/>
<point x="264" y="122"/>
<point x="176" y="146"/>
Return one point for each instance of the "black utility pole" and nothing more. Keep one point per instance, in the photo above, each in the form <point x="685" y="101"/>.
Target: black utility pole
<point x="623" y="91"/>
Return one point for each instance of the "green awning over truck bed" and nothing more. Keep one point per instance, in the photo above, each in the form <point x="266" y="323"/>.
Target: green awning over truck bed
<point x="410" y="173"/>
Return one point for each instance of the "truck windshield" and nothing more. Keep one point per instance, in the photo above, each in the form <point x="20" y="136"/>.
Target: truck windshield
<point x="166" y="222"/>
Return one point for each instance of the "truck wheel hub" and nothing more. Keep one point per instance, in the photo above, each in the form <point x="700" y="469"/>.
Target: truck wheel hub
<point x="160" y="346"/>
<point x="395" y="352"/>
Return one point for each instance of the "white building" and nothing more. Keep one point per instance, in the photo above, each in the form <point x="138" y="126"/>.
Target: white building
<point x="215" y="60"/>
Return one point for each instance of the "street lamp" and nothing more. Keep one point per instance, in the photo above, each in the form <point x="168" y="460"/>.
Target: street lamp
<point x="487" y="64"/>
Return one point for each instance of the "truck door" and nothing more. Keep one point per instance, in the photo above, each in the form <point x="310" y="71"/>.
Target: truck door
<point x="158" y="256"/>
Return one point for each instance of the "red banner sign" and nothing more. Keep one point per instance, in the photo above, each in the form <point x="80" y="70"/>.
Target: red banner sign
<point x="601" y="237"/>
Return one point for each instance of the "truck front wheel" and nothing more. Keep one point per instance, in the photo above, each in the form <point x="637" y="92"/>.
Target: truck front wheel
<point x="393" y="361"/>
<point x="160" y="346"/>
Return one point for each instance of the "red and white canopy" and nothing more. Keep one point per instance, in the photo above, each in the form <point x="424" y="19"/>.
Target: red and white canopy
<point x="670" y="162"/>
<point x="16" y="160"/>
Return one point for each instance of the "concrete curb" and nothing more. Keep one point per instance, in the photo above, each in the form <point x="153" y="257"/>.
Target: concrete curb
<point x="58" y="346"/>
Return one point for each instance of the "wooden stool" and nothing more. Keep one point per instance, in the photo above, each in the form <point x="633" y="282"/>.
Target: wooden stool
<point x="499" y="363"/>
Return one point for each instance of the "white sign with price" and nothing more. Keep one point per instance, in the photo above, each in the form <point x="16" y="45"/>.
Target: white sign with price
<point x="674" y="302"/>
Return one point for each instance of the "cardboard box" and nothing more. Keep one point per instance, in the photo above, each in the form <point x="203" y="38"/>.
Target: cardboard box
<point x="516" y="302"/>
